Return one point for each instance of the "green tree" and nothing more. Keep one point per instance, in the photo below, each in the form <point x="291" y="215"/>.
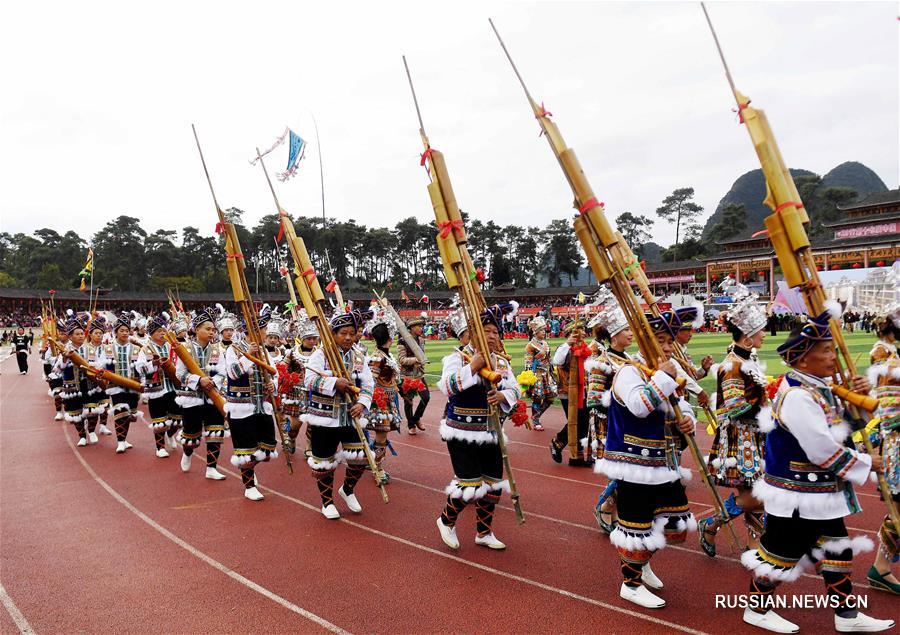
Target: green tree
<point x="634" y="228"/>
<point x="561" y="255"/>
<point x="119" y="254"/>
<point x="732" y="222"/>
<point x="679" y="207"/>
<point x="50" y="277"/>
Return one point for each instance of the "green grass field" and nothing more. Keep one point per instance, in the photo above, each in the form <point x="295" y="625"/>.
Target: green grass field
<point x="703" y="344"/>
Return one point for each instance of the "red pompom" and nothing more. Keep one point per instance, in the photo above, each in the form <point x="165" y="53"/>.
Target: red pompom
<point x="772" y="387"/>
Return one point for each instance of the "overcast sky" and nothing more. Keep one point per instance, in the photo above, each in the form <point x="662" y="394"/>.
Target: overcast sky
<point x="98" y="99"/>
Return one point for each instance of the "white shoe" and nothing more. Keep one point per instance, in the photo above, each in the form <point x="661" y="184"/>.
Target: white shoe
<point x="448" y="534"/>
<point x="120" y="447"/>
<point x="641" y="596"/>
<point x="214" y="475"/>
<point x="255" y="480"/>
<point x="161" y="453"/>
<point x="490" y="541"/>
<point x="253" y="494"/>
<point x="92" y="438"/>
<point x="102" y="429"/>
<point x="649" y="578"/>
<point x="58" y="416"/>
<point x="128" y="446"/>
<point x="771" y="621"/>
<point x="81" y="442"/>
<point x="185" y="462"/>
<point x="170" y="442"/>
<point x="351" y="500"/>
<point x="860" y="624"/>
<point x="331" y="512"/>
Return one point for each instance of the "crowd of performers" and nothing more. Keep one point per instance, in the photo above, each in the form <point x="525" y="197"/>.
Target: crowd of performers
<point x="783" y="446"/>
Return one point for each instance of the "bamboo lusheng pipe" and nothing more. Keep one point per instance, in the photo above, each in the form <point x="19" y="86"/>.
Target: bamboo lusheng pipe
<point x="461" y="275"/>
<point x="166" y="365"/>
<point x="355" y="390"/>
<point x="787" y="231"/>
<point x="310" y="291"/>
<point x="100" y="374"/>
<point x="194" y="369"/>
<point x="240" y="290"/>
<point x="404" y="333"/>
<point x="599" y="241"/>
<point x="485" y="373"/>
<point x="865" y="402"/>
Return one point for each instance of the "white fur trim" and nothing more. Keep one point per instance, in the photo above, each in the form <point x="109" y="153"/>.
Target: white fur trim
<point x="619" y="471"/>
<point x="857" y="544"/>
<point x="239" y="410"/>
<point x="761" y="569"/>
<point x="686" y="474"/>
<point x="468" y="493"/>
<point x="826" y="505"/>
<point x="606" y="398"/>
<point x="74" y="419"/>
<point x="321" y="466"/>
<point x="188" y="402"/>
<point x="840" y="431"/>
<point x="479" y="437"/>
<point x="834" y="309"/>
<point x="346" y="456"/>
<point x="316" y="420"/>
<point x="654" y="541"/>
<point x="499" y="486"/>
<point x="238" y="460"/>
<point x="156" y="394"/>
<point x="764" y="419"/>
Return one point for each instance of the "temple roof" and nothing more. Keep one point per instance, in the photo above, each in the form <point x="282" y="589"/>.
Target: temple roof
<point x="877" y="198"/>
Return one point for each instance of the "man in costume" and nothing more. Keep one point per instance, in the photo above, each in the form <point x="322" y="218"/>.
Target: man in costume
<point x="73" y="382"/>
<point x="471" y="441"/>
<point x="537" y="359"/>
<point x="329" y="413"/>
<point x="737" y="455"/>
<point x="610" y="327"/>
<point x="807" y="488"/>
<point x="884" y="373"/>
<point x="200" y="418"/>
<point x="121" y="357"/>
<point x="641" y="454"/>
<point x="250" y="414"/>
<point x="412" y="377"/>
<point x="384" y="414"/>
<point x="291" y="386"/>
<point x="153" y="361"/>
<point x="54" y="378"/>
<point x="96" y="400"/>
<point x="574" y="345"/>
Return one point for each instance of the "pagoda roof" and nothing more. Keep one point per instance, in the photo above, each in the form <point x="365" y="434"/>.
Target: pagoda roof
<point x="857" y="220"/>
<point x="875" y="199"/>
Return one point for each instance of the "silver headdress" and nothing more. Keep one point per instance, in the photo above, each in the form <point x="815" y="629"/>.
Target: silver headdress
<point x="746" y="314"/>
<point x="537" y="323"/>
<point x="380" y="315"/>
<point x="457" y="322"/>
<point x="611" y="318"/>
<point x="276" y="325"/>
<point x="225" y="320"/>
<point x="305" y="326"/>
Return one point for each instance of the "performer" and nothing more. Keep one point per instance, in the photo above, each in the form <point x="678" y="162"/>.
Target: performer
<point x="73" y="385"/>
<point x="611" y="327"/>
<point x="574" y="345"/>
<point x="199" y="416"/>
<point x="250" y="413"/>
<point x="54" y="377"/>
<point x="471" y="441"/>
<point x="691" y="318"/>
<point x="96" y="401"/>
<point x="329" y="414"/>
<point x="291" y="386"/>
<point x="807" y="488"/>
<point x="165" y="414"/>
<point x="737" y="455"/>
<point x="226" y="323"/>
<point x="537" y="360"/>
<point x="641" y="455"/>
<point x="121" y="357"/>
<point x="384" y="414"/>
<point x="22" y="346"/>
<point x="412" y="377"/>
<point x="884" y="373"/>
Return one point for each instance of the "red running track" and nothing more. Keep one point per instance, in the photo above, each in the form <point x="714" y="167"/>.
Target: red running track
<point x="98" y="542"/>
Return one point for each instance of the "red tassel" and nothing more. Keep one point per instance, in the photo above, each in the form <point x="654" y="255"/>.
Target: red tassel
<point x="331" y="285"/>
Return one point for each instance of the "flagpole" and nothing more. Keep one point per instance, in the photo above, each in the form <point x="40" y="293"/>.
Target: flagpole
<point x="322" y="189"/>
<point x="91" y="292"/>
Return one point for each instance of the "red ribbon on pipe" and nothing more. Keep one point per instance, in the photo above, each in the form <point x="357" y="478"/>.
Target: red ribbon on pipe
<point x="761" y="232"/>
<point x="309" y="273"/>
<point x="220" y="227"/>
<point x="580" y="352"/>
<point x="447" y="226"/>
<point x="788" y="204"/>
<point x="425" y="155"/>
<point x="543" y="112"/>
<point x="589" y="204"/>
<point x="280" y="233"/>
<point x="740" y="110"/>
<point x="331" y="285"/>
<point x="234" y="256"/>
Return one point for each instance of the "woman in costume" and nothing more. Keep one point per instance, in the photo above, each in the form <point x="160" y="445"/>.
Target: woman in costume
<point x="884" y="374"/>
<point x="384" y="414"/>
<point x="537" y="359"/>
<point x="737" y="455"/>
<point x="291" y="386"/>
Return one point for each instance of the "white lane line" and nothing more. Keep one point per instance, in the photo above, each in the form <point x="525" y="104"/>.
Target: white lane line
<point x="482" y="567"/>
<point x="215" y="564"/>
<point x="14" y="612"/>
<point x="595" y="530"/>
